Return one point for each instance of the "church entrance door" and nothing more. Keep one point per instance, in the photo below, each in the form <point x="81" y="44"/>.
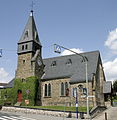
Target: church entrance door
<point x="19" y="96"/>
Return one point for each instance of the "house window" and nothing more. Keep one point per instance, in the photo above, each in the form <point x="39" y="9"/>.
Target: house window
<point x="24" y="61"/>
<point x="62" y="89"/>
<point x="66" y="89"/>
<point x="45" y="90"/>
<point x="22" y="47"/>
<point x="48" y="90"/>
<point x="53" y="63"/>
<point x="69" y="62"/>
<point x="66" y="85"/>
<point x="26" y="46"/>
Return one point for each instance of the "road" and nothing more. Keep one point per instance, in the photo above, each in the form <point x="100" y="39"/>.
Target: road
<point x="111" y="115"/>
<point x="21" y="116"/>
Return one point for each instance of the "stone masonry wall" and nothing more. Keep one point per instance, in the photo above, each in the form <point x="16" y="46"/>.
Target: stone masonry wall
<point x="24" y="67"/>
<point x="57" y="99"/>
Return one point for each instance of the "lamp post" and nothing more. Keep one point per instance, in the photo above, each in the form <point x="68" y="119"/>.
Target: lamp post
<point x="57" y="49"/>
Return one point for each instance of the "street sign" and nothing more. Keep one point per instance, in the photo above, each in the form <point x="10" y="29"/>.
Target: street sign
<point x="84" y="91"/>
<point x="88" y="96"/>
<point x="27" y="91"/>
<point x="91" y="96"/>
<point x="75" y="92"/>
<point x="57" y="48"/>
<point x="26" y="102"/>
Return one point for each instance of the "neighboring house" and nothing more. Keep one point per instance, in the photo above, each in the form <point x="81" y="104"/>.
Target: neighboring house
<point x="2" y="85"/>
<point x="60" y="77"/>
<point x="107" y="90"/>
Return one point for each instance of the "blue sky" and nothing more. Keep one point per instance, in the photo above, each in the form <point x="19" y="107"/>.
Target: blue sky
<point x="84" y="25"/>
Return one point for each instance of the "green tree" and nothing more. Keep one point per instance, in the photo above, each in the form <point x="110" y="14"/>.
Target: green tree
<point x="115" y="86"/>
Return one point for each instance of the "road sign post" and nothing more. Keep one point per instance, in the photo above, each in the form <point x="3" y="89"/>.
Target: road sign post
<point x="76" y="104"/>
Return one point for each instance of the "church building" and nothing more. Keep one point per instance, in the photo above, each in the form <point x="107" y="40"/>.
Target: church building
<point x="60" y="79"/>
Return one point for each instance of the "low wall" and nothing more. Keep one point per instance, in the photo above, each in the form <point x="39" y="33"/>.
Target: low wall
<point x="40" y="111"/>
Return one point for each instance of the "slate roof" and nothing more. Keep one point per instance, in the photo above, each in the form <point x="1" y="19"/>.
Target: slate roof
<point x="75" y="70"/>
<point x="107" y="87"/>
<point x="32" y="31"/>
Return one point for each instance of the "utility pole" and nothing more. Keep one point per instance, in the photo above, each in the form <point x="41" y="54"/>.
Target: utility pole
<point x="57" y="49"/>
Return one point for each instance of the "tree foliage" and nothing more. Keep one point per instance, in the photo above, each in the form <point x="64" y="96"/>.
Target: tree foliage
<point x="115" y="86"/>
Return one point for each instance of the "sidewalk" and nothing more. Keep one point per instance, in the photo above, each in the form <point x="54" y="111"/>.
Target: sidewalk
<point x="111" y="114"/>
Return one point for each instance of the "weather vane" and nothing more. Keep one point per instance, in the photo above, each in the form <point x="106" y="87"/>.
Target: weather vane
<point x="32" y="6"/>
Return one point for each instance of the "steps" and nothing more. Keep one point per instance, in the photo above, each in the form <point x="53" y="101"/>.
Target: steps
<point x="18" y="104"/>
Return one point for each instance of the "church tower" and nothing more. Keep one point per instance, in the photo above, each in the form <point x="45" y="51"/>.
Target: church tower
<point x="29" y="52"/>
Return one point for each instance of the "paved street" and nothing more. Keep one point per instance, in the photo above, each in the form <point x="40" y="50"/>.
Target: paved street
<point x="21" y="116"/>
<point x="13" y="116"/>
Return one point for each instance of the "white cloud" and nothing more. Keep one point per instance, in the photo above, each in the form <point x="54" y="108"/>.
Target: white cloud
<point x="4" y="76"/>
<point x="110" y="68"/>
<point x="66" y="52"/>
<point x="111" y="41"/>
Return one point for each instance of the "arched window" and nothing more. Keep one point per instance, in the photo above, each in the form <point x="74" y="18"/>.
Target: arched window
<point x="66" y="89"/>
<point x="45" y="90"/>
<point x="66" y="85"/>
<point x="69" y="62"/>
<point x="22" y="47"/>
<point x="62" y="89"/>
<point x="26" y="46"/>
<point x="49" y="89"/>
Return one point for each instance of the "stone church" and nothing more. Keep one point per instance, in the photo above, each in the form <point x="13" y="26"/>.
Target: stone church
<point x="59" y="77"/>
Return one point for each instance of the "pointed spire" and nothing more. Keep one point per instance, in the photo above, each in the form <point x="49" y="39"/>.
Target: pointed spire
<point x="30" y="32"/>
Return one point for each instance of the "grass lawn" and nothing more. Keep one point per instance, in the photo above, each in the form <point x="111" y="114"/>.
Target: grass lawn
<point x="115" y="100"/>
<point x="61" y="108"/>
